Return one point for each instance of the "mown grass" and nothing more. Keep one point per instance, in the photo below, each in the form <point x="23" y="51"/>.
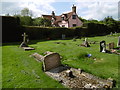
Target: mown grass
<point x="22" y="71"/>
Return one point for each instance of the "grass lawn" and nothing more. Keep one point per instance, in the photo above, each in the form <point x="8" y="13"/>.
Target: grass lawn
<point x="21" y="71"/>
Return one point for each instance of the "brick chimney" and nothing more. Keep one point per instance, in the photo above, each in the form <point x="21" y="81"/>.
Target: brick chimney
<point x="53" y="14"/>
<point x="74" y="8"/>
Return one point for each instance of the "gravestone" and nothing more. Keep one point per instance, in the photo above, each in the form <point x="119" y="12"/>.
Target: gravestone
<point x="118" y="44"/>
<point x="85" y="44"/>
<point x="103" y="46"/>
<point x="111" y="33"/>
<point x="111" y="45"/>
<point x="51" y="60"/>
<point x="24" y="43"/>
<point x="63" y="36"/>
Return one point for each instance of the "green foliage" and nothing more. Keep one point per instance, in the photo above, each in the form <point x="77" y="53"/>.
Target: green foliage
<point x="26" y="20"/>
<point x="42" y="22"/>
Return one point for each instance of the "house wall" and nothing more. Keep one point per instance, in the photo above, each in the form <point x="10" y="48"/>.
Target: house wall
<point x="65" y="23"/>
<point x="76" y="21"/>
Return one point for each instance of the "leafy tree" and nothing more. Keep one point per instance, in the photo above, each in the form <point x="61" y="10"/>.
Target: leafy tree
<point x="41" y="22"/>
<point x="26" y="12"/>
<point x="26" y="20"/>
<point x="83" y="20"/>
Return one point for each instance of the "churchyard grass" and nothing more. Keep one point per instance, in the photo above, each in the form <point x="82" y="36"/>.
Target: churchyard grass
<point x="22" y="71"/>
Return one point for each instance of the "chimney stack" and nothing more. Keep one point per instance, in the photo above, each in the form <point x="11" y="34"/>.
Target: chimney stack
<point x="74" y="8"/>
<point x="53" y="14"/>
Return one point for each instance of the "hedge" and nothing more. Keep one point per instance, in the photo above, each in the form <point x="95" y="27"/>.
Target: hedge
<point x="44" y="33"/>
<point x="12" y="30"/>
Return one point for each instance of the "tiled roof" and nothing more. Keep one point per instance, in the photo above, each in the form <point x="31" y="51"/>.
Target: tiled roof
<point x="68" y="15"/>
<point x="47" y="16"/>
<point x="58" y="18"/>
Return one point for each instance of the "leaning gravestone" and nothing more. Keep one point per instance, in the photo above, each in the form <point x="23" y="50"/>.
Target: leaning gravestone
<point x="103" y="46"/>
<point x="111" y="45"/>
<point x="118" y="45"/>
<point x="51" y="60"/>
<point x="24" y="43"/>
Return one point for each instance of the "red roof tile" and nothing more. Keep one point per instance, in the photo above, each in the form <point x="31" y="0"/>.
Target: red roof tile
<point x="58" y="18"/>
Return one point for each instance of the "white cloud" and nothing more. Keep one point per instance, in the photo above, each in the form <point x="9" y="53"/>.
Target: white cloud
<point x="37" y="7"/>
<point x="97" y="9"/>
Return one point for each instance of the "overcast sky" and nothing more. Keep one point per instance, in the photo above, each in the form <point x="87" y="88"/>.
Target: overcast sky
<point x="88" y="9"/>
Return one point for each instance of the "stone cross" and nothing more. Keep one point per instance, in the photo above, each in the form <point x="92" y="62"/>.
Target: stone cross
<point x="118" y="44"/>
<point x="24" y="37"/>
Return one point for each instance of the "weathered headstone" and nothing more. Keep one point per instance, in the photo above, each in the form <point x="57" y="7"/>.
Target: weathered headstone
<point x="85" y="44"/>
<point x="118" y="44"/>
<point x="63" y="36"/>
<point x="111" y="33"/>
<point x="24" y="43"/>
<point x="111" y="45"/>
<point x="51" y="60"/>
<point x="103" y="46"/>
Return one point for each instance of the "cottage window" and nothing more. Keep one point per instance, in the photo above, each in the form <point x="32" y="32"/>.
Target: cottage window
<point x="62" y="18"/>
<point x="74" y="25"/>
<point x="73" y="16"/>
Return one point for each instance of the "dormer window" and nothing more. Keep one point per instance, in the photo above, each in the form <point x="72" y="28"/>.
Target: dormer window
<point x="73" y="16"/>
<point x="62" y="18"/>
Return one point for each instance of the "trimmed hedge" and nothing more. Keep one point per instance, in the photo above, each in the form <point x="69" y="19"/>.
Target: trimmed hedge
<point x="44" y="33"/>
<point x="11" y="29"/>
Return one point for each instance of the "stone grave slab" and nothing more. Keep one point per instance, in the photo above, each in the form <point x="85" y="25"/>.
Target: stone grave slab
<point x="28" y="48"/>
<point x="38" y="57"/>
<point x="75" y="78"/>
